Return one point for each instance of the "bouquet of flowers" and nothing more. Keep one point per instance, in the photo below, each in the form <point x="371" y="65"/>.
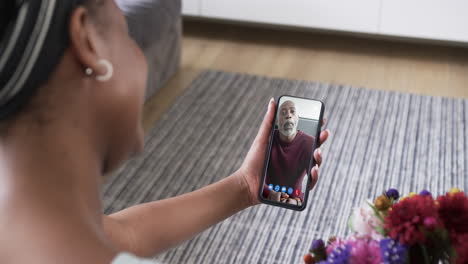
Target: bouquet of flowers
<point x="418" y="228"/>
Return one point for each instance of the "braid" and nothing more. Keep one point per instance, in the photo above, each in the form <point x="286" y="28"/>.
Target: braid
<point x="7" y="11"/>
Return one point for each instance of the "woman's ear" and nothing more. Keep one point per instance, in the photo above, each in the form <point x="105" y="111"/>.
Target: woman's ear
<point x="85" y="41"/>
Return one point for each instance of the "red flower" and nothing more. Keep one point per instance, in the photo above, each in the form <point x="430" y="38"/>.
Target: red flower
<point x="453" y="212"/>
<point x="406" y="219"/>
<point x="308" y="259"/>
<point x="462" y="250"/>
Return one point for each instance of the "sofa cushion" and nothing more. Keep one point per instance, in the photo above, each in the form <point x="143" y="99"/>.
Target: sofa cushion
<point x="156" y="25"/>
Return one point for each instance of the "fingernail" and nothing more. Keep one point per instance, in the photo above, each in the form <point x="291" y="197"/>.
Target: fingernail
<point x="329" y="133"/>
<point x="319" y="151"/>
<point x="316" y="166"/>
<point x="269" y="104"/>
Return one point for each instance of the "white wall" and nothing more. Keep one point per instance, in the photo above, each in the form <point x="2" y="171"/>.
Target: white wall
<point x="305" y="108"/>
<point x="191" y="7"/>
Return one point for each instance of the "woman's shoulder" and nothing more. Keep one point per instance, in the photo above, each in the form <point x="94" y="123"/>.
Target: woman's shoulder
<point x="126" y="258"/>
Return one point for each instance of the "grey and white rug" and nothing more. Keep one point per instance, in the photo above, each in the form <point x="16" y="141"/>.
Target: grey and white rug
<point x="379" y="140"/>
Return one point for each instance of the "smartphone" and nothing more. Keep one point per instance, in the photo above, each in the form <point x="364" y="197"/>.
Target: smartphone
<point x="294" y="136"/>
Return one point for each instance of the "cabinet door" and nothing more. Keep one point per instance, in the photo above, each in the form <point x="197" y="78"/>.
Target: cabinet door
<point x="356" y="15"/>
<point x="431" y="19"/>
<point x="191" y="7"/>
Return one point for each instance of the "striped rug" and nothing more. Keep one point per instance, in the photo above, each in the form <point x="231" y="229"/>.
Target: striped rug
<point x="379" y="140"/>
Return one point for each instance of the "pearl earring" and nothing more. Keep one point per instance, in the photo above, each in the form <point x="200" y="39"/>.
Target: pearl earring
<point x="109" y="71"/>
<point x="89" y="71"/>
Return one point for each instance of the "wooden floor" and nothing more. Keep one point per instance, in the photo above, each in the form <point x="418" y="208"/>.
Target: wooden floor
<point x="376" y="64"/>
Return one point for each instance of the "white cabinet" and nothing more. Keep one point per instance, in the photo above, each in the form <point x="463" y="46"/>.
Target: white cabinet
<point x="191" y="7"/>
<point x="431" y="19"/>
<point x="424" y="19"/>
<point x="356" y="15"/>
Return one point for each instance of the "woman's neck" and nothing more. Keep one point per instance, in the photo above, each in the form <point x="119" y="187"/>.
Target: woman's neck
<point x="50" y="194"/>
<point x="52" y="166"/>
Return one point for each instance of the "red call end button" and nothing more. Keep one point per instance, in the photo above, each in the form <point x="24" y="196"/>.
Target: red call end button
<point x="297" y="192"/>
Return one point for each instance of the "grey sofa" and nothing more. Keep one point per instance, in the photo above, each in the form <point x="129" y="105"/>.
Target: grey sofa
<point x="156" y="25"/>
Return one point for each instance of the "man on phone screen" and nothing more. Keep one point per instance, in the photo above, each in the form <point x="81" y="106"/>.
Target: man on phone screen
<point x="291" y="152"/>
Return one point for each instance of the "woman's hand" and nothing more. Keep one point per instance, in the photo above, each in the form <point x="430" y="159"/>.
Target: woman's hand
<point x="252" y="168"/>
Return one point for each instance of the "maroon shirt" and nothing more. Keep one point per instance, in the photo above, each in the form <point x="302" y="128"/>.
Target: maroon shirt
<point x="289" y="162"/>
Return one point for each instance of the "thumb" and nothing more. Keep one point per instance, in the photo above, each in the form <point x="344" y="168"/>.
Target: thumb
<point x="267" y="123"/>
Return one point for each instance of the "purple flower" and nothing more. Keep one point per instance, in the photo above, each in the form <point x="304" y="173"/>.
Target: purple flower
<point x="318" y="250"/>
<point x="317" y="244"/>
<point x="341" y="255"/>
<point x="425" y="193"/>
<point x="392" y="193"/>
<point x="392" y="251"/>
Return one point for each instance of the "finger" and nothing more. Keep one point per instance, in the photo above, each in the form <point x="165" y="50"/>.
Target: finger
<point x="314" y="176"/>
<point x="318" y="156"/>
<point x="277" y="198"/>
<point x="324" y="135"/>
<point x="267" y="123"/>
<point x="298" y="201"/>
<point x="284" y="195"/>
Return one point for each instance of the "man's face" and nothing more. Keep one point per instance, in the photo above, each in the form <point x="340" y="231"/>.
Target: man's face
<point x="287" y="119"/>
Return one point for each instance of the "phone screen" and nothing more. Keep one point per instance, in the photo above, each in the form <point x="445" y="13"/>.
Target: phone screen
<point x="290" y="158"/>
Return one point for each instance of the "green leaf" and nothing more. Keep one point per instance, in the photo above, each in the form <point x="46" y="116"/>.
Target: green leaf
<point x="350" y="223"/>
<point x="381" y="230"/>
<point x="376" y="212"/>
<point x="424" y="251"/>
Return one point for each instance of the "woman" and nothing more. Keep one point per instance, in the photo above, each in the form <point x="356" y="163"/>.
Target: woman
<point x="72" y="85"/>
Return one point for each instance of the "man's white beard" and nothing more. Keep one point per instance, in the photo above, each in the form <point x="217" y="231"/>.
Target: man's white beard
<point x="288" y="132"/>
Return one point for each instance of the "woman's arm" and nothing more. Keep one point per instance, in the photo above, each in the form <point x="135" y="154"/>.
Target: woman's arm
<point x="150" y="228"/>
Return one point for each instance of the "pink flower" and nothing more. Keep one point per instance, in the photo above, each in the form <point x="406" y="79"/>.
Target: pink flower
<point x="364" y="223"/>
<point x="430" y="223"/>
<point x="365" y="251"/>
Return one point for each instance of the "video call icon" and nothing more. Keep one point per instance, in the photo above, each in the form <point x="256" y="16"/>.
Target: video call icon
<point x="283" y="189"/>
<point x="270" y="187"/>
